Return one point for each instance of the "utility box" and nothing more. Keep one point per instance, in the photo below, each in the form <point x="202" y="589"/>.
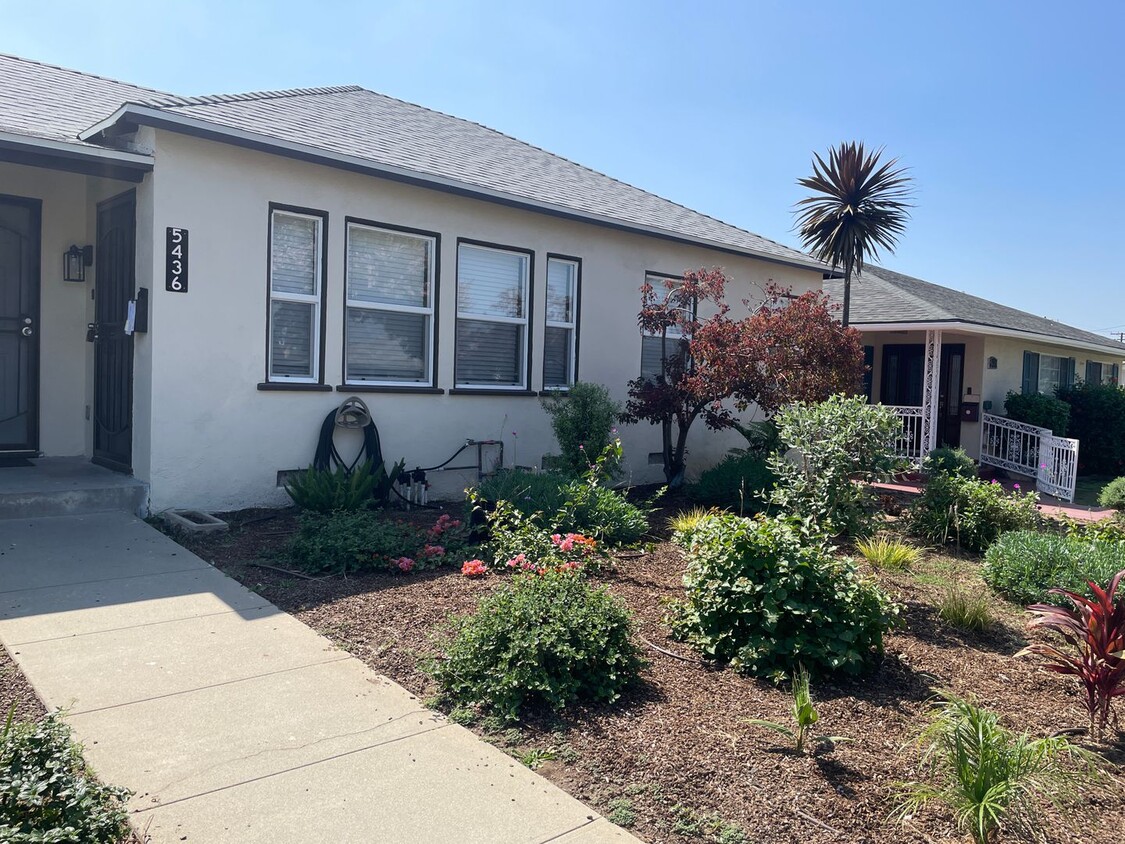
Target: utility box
<point x="970" y="411"/>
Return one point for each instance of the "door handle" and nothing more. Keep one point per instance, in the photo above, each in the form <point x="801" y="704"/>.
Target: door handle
<point x="26" y="331"/>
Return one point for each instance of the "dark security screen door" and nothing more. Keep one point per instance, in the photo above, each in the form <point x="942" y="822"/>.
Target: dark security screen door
<point x="19" y="325"/>
<point x="949" y="395"/>
<point x="903" y="371"/>
<point x="113" y="348"/>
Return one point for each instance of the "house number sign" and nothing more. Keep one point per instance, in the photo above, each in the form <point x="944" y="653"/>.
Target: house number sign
<point x="176" y="267"/>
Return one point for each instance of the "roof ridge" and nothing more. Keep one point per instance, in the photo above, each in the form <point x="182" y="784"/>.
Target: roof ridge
<point x="83" y="73"/>
<point x="585" y="167"/>
<point x="175" y="101"/>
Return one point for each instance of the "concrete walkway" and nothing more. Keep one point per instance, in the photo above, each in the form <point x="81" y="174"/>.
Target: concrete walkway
<point x="234" y="722"/>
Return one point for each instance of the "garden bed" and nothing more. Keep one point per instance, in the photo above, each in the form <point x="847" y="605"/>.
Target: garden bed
<point x="675" y="760"/>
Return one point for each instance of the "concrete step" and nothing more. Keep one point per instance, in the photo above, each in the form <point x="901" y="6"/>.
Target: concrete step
<point x="68" y="486"/>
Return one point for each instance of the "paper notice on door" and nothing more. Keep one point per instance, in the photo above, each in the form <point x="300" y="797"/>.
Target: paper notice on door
<point x="131" y="316"/>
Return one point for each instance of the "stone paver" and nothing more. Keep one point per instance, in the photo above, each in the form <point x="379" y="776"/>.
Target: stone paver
<point x="233" y="722"/>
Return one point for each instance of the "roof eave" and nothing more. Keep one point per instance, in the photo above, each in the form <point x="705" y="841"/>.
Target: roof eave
<point x="985" y="328"/>
<point x="160" y="119"/>
<point x="73" y="157"/>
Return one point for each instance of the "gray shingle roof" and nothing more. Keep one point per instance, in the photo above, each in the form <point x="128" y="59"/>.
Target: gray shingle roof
<point x="883" y="296"/>
<point x="44" y="101"/>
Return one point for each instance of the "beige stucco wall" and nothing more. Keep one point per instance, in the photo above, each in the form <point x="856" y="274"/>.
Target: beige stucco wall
<point x="218" y="442"/>
<point x="66" y="359"/>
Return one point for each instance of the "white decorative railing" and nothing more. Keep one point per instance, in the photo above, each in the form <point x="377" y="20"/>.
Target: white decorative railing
<point x="910" y="443"/>
<point x="1032" y="451"/>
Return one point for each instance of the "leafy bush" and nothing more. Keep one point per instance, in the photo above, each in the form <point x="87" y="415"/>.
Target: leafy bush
<point x="46" y="792"/>
<point x="1094" y="632"/>
<point x="528" y="492"/>
<point x="989" y="776"/>
<point x="521" y="543"/>
<point x="763" y="598"/>
<point x="886" y="553"/>
<point x="741" y="481"/>
<point x="583" y="420"/>
<point x="359" y="540"/>
<point x="1097" y="420"/>
<point x="839" y="441"/>
<point x="1040" y="410"/>
<point x="965" y="609"/>
<point x="683" y="524"/>
<point x="950" y="461"/>
<point x="1024" y="566"/>
<point x="321" y="491"/>
<point x="969" y="512"/>
<point x="1112" y="529"/>
<point x="762" y="437"/>
<point x="1113" y="494"/>
<point x="550" y="640"/>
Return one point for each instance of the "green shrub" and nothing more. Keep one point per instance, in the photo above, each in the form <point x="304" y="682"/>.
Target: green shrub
<point x="321" y="491"/>
<point x="1113" y="494"/>
<point x="762" y="437"/>
<point x="548" y="640"/>
<point x="1023" y="565"/>
<point x="970" y="512"/>
<point x="839" y="441"/>
<point x="583" y="420"/>
<point x="46" y="792"/>
<point x="741" y="481"/>
<point x="528" y="492"/>
<point x="521" y="543"/>
<point x="361" y="540"/>
<point x="1097" y="421"/>
<point x="950" y="461"/>
<point x="763" y="597"/>
<point x="1040" y="410"/>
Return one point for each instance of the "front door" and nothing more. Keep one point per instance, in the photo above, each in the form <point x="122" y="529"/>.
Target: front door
<point x="19" y="325"/>
<point x="949" y="394"/>
<point x="115" y="282"/>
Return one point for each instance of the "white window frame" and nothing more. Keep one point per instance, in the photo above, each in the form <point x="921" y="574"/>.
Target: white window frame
<point x="572" y="326"/>
<point x="672" y="332"/>
<point x="316" y="299"/>
<point x="525" y="321"/>
<point x="431" y="281"/>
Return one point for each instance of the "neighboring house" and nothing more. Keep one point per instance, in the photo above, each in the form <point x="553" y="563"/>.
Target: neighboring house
<point x="288" y="249"/>
<point x="983" y="351"/>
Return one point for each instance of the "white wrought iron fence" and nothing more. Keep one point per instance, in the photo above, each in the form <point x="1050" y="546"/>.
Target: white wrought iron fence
<point x="1029" y="450"/>
<point x="910" y="444"/>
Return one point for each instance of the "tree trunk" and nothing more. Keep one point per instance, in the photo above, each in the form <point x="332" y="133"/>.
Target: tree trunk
<point x="846" y="316"/>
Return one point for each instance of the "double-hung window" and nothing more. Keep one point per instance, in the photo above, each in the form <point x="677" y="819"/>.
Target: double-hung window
<point x="493" y="302"/>
<point x="389" y="330"/>
<point x="1046" y="373"/>
<point x="296" y="288"/>
<point x="654" y="348"/>
<point x="560" y="336"/>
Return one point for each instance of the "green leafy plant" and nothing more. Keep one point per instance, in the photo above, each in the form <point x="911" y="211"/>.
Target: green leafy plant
<point x="884" y="552"/>
<point x="965" y="609"/>
<point x="1040" y="410"/>
<point x="754" y="584"/>
<point x="989" y="776"/>
<point x="621" y="812"/>
<point x="1097" y="420"/>
<point x="950" y="461"/>
<point x="46" y="792"/>
<point x="549" y="640"/>
<point x="321" y="491"/>
<point x="805" y="716"/>
<point x="1113" y="494"/>
<point x="837" y="442"/>
<point x="582" y="419"/>
<point x="1024" y="566"/>
<point x="969" y="512"/>
<point x="762" y="437"/>
<point x="683" y="524"/>
<point x="740" y="481"/>
<point x="1094" y="630"/>
<point x="361" y="540"/>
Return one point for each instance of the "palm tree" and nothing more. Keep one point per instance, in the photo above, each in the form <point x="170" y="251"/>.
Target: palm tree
<point x="858" y="206"/>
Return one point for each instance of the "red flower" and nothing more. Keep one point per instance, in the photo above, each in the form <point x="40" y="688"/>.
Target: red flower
<point x="474" y="568"/>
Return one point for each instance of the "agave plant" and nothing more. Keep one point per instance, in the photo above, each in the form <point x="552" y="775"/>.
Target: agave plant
<point x="859" y="205"/>
<point x="988" y="775"/>
<point x="1095" y="632"/>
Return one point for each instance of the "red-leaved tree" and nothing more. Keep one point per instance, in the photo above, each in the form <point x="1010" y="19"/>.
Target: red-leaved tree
<point x="788" y="349"/>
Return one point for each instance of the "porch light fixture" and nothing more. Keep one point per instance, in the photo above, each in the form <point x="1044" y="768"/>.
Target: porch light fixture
<point x="75" y="261"/>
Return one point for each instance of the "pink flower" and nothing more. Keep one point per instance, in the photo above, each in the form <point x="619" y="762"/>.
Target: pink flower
<point x="404" y="563"/>
<point x="1016" y="487"/>
<point x="518" y="560"/>
<point x="474" y="568"/>
<point x="433" y="550"/>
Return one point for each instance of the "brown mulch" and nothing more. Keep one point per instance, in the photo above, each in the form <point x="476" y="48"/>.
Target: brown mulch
<point x="16" y="691"/>
<point x="677" y="752"/>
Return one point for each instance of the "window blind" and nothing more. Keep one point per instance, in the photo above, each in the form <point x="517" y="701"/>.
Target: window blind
<point x="295" y="296"/>
<point x="492" y="293"/>
<point x="293" y="254"/>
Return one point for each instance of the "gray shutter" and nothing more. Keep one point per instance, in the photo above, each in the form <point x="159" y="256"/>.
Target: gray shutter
<point x="1116" y="379"/>
<point x="1069" y="369"/>
<point x="1030" y="373"/>
<point x="1093" y="372"/>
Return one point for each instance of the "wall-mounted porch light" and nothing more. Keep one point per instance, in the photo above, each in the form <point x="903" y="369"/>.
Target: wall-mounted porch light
<point x="75" y="261"/>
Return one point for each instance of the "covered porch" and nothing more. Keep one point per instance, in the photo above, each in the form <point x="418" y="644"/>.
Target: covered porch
<point x="69" y="262"/>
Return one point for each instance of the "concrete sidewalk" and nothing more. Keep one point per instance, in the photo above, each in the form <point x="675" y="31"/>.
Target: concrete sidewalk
<point x="232" y="721"/>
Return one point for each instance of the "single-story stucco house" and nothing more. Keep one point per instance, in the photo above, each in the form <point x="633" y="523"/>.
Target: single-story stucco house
<point x="189" y="285"/>
<point x="982" y="350"/>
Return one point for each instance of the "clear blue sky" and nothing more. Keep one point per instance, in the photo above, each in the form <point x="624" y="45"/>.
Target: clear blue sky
<point x="1010" y="115"/>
